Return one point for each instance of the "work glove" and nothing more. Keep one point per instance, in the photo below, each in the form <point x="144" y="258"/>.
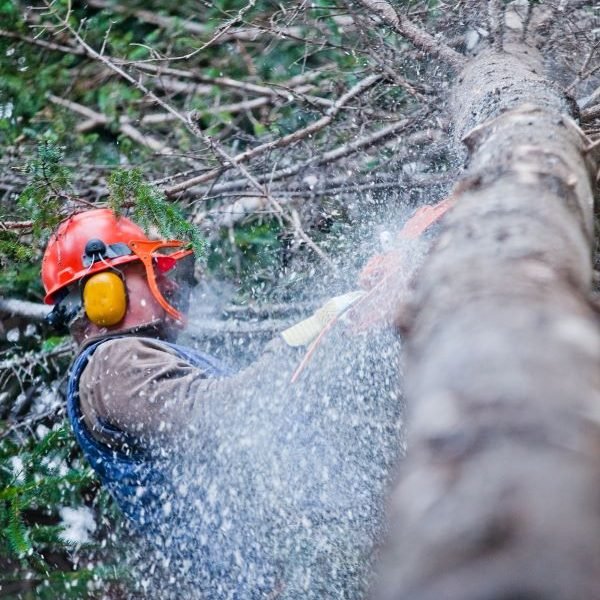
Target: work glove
<point x="306" y="331"/>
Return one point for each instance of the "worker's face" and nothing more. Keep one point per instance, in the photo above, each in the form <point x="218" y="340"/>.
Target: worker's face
<point x="142" y="307"/>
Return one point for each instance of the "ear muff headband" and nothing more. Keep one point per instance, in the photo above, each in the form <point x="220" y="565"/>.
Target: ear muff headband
<point x="105" y="299"/>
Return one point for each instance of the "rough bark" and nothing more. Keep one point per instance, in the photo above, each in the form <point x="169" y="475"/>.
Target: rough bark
<point x="499" y="496"/>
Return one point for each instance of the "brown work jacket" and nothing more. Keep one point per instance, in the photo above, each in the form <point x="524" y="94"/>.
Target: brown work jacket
<point x="142" y="387"/>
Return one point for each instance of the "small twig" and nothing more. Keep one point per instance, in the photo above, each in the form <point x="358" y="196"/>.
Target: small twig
<point x="246" y="206"/>
<point x="116" y="68"/>
<point x="583" y="72"/>
<point x="420" y="38"/>
<point x="262" y="189"/>
<point x="154" y="18"/>
<point x="193" y="128"/>
<point x="286" y="140"/>
<point x="526" y="20"/>
<point x="397" y="79"/>
<point x="278" y="91"/>
<point x="322" y="159"/>
<point x="233" y="108"/>
<point x="31" y="310"/>
<point x="297" y="224"/>
<point x="6" y="225"/>
<point x="21" y="367"/>
<point x="589" y="114"/>
<point x="221" y="31"/>
<point x="96" y="119"/>
<point x="41" y="43"/>
<point x="592" y="146"/>
<point x="307" y="131"/>
<point x="29" y="421"/>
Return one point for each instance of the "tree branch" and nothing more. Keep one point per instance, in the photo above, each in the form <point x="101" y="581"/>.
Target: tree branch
<point x="97" y="119"/>
<point x="21" y="308"/>
<point x="496" y="20"/>
<point x="420" y="38"/>
<point x="6" y="225"/>
<point x="153" y="18"/>
<point x="300" y="134"/>
<point x="322" y="159"/>
<point x="42" y="43"/>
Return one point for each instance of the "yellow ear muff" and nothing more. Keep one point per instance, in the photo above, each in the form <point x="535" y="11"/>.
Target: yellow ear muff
<point x="105" y="299"/>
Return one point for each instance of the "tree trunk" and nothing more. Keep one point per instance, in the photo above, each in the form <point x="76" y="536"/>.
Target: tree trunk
<point x="499" y="496"/>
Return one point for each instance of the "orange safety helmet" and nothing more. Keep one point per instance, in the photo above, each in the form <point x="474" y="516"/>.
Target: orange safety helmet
<point x="98" y="240"/>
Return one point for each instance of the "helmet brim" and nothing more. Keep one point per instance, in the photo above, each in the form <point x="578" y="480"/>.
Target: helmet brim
<point x="164" y="263"/>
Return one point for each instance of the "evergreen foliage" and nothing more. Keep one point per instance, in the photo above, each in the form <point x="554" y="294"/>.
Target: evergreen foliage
<point x="150" y="208"/>
<point x="40" y="474"/>
<point x="48" y="188"/>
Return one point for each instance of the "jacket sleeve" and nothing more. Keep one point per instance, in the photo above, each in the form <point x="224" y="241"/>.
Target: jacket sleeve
<point x="144" y="388"/>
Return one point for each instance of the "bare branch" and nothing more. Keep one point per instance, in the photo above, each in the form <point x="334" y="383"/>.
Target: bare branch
<point x="248" y="206"/>
<point x="295" y="87"/>
<point x="153" y="18"/>
<point x="6" y="225"/>
<point x="41" y="43"/>
<point x="21" y="308"/>
<point x="280" y="91"/>
<point x="286" y="140"/>
<point x="96" y="119"/>
<point x="281" y="142"/>
<point x="584" y="72"/>
<point x="589" y="114"/>
<point x="591" y="99"/>
<point x="420" y="38"/>
<point x="331" y="156"/>
<point x="232" y="108"/>
<point x="526" y="20"/>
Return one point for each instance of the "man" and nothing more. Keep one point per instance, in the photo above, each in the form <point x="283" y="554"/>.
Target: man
<point x="168" y="428"/>
<point x="129" y="386"/>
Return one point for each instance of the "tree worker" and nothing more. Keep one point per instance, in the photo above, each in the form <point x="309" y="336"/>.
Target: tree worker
<point x="131" y="390"/>
<point x="129" y="384"/>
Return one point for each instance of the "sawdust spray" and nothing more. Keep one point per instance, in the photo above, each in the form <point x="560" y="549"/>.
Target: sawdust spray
<point x="280" y="488"/>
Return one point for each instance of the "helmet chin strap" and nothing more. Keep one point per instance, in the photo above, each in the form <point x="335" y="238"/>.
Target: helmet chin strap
<point x="144" y="249"/>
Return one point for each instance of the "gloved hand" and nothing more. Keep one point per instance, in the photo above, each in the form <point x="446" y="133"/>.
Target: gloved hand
<point x="373" y="306"/>
<point x="304" y="332"/>
<point x="382" y="301"/>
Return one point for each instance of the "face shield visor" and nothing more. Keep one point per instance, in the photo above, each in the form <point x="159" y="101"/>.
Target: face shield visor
<point x="169" y="272"/>
<point x="175" y="280"/>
